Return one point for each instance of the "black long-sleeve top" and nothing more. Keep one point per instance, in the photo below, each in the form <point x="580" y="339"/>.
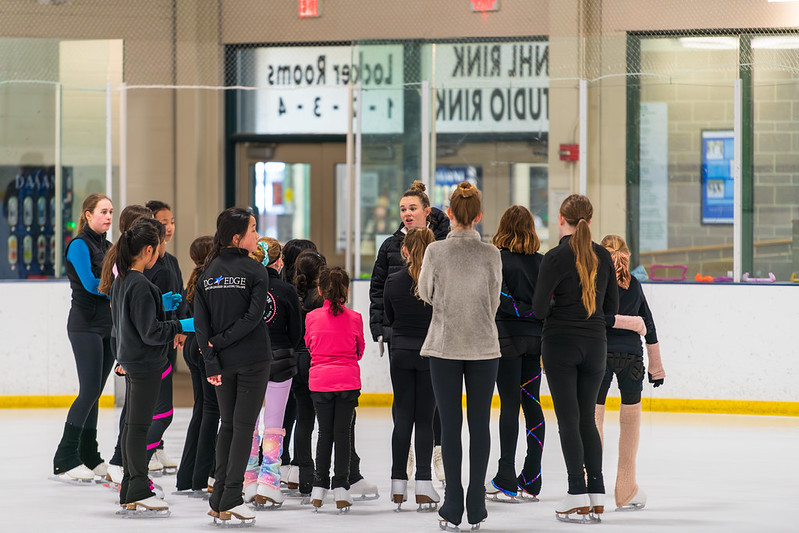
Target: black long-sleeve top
<point x="631" y="302"/>
<point x="558" y="296"/>
<point x="183" y="310"/>
<point x="515" y="316"/>
<point x="142" y="331"/>
<point x="408" y="316"/>
<point x="164" y="276"/>
<point x="390" y="260"/>
<point x="229" y="303"/>
<point x="283" y="317"/>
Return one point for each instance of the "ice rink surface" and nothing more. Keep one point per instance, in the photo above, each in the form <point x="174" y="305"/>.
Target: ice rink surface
<point x="701" y="473"/>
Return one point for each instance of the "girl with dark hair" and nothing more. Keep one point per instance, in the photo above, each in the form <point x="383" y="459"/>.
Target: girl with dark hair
<point x="283" y="319"/>
<point x="307" y="267"/>
<point x="129" y="215"/>
<point x="77" y="459"/>
<point x="461" y="278"/>
<point x="519" y="373"/>
<point x="198" y="450"/>
<point x="576" y="288"/>
<point x="230" y="299"/>
<point x="414" y="402"/>
<point x="626" y="361"/>
<point x="291" y="250"/>
<point x="142" y="336"/>
<point x="334" y="336"/>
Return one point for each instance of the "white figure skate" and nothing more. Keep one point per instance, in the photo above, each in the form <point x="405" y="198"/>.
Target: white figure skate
<point x="318" y="497"/>
<point x="80" y="475"/>
<point x="399" y="492"/>
<point x="239" y="516"/>
<point x="155" y="467"/>
<point x="364" y="490"/>
<point x="152" y="507"/>
<point x="597" y="506"/>
<point x="100" y="472"/>
<point x="169" y="466"/>
<point x="343" y="499"/>
<point x="426" y="496"/>
<point x="498" y="494"/>
<point x="113" y="477"/>
<point x="438" y="465"/>
<point x="574" y="508"/>
<point x="636" y="504"/>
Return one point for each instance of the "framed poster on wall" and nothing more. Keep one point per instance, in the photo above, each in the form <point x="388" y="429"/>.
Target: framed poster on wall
<point x="717" y="176"/>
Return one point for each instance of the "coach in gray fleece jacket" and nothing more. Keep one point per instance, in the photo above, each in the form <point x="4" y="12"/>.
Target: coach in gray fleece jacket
<point x="461" y="278"/>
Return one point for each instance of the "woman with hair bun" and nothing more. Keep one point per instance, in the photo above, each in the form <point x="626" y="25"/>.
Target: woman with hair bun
<point x="576" y="288"/>
<point x="461" y="278"/>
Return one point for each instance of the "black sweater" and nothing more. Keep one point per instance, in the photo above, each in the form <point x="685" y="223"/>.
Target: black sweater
<point x="165" y="274"/>
<point x="284" y="320"/>
<point x="89" y="312"/>
<point x="229" y="303"/>
<point x="515" y="314"/>
<point x="631" y="302"/>
<point x="558" y="296"/>
<point x="143" y="333"/>
<point x="408" y="316"/>
<point x="390" y="260"/>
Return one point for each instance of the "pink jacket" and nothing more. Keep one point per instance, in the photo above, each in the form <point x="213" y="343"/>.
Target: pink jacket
<point x="336" y="344"/>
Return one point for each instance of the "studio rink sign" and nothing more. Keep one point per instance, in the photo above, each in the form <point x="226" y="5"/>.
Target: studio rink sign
<point x="307" y="88"/>
<point x="491" y="86"/>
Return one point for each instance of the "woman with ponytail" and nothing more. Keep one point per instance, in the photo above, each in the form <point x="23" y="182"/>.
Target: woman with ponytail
<point x="229" y="302"/>
<point x="198" y="450"/>
<point x="625" y="359"/>
<point x="143" y="336"/>
<point x="334" y="337"/>
<point x="77" y="458"/>
<point x="576" y="288"/>
<point x="414" y="403"/>
<point x="461" y="278"/>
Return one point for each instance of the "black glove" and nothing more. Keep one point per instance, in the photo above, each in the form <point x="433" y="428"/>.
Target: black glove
<point x="655" y="382"/>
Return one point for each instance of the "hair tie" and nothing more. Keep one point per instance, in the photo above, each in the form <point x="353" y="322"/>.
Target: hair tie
<point x="265" y="246"/>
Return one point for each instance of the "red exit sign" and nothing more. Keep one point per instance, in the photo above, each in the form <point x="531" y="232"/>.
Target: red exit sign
<point x="481" y="6"/>
<point x="308" y="8"/>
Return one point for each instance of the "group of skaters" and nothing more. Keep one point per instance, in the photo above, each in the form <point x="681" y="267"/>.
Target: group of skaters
<point x="273" y="350"/>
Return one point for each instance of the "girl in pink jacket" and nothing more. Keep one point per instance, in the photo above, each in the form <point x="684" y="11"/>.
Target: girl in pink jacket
<point x="334" y="336"/>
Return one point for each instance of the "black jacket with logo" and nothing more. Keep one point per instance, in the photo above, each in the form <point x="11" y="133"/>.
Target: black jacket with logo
<point x="229" y="303"/>
<point x="389" y="260"/>
<point x="143" y="333"/>
<point x="284" y="320"/>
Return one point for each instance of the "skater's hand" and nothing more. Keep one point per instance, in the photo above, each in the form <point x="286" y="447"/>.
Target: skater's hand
<point x="119" y="371"/>
<point x="171" y="300"/>
<point x="655" y="382"/>
<point x="180" y="340"/>
<point x="215" y="380"/>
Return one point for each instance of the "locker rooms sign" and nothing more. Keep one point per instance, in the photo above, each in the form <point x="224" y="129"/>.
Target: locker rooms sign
<point x="491" y="87"/>
<point x="306" y="88"/>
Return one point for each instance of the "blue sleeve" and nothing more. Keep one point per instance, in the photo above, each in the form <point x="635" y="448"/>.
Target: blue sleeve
<point x="78" y="255"/>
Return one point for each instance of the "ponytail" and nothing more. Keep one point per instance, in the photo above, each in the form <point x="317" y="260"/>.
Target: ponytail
<point x="198" y="251"/>
<point x="334" y="284"/>
<point x="144" y="232"/>
<point x="416" y="242"/>
<point x="621" y="258"/>
<point x="577" y="211"/>
<point x="308" y="267"/>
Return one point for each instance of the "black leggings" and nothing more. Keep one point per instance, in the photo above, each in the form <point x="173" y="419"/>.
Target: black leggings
<point x="448" y="376"/>
<point x="629" y="371"/>
<point x="141" y="393"/>
<point x="574" y="367"/>
<point x="306" y="417"/>
<point x="413" y="407"/>
<point x="94" y="360"/>
<point x="240" y="398"/>
<point x="198" y="450"/>
<point x="335" y="413"/>
<point x="519" y="384"/>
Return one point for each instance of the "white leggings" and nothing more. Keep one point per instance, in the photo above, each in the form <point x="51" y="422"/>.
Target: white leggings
<point x="277" y="395"/>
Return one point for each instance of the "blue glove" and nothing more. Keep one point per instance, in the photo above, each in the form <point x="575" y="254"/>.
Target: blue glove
<point x="187" y="324"/>
<point x="171" y="300"/>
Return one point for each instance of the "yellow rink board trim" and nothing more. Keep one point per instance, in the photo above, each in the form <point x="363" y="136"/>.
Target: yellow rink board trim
<point x="663" y="405"/>
<point x="40" y="402"/>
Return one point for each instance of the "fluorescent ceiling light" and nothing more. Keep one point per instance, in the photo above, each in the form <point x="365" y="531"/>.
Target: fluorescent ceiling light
<point x="710" y="43"/>
<point x="777" y="42"/>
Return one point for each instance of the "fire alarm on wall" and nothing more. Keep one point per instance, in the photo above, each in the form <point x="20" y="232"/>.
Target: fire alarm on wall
<point x="569" y="152"/>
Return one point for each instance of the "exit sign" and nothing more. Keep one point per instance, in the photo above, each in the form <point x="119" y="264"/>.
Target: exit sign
<point x="481" y="6"/>
<point x="308" y="8"/>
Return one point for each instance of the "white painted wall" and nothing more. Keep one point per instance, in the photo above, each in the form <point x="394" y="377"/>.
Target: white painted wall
<point x="728" y="342"/>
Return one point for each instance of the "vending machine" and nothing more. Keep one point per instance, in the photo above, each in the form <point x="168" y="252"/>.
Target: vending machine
<point x="27" y="228"/>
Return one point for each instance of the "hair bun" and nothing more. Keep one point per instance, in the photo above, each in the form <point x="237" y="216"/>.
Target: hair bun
<point x="418" y="186"/>
<point x="466" y="189"/>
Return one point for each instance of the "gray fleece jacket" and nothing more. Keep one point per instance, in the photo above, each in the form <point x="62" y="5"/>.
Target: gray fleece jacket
<point x="461" y="278"/>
